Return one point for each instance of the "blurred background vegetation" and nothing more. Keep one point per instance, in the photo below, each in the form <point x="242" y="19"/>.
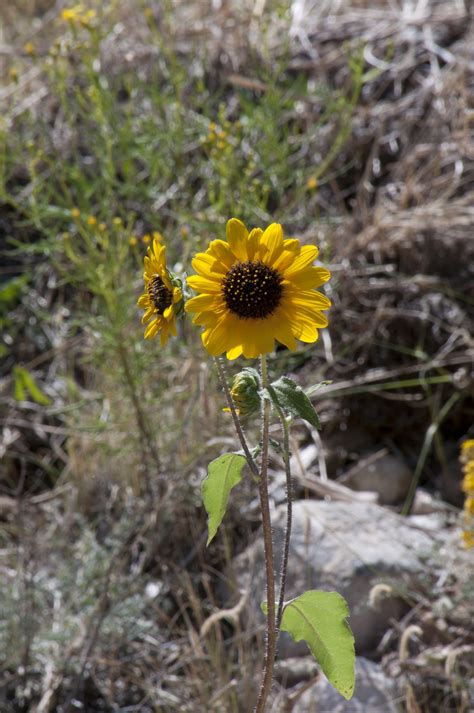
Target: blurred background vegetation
<point x="352" y="124"/>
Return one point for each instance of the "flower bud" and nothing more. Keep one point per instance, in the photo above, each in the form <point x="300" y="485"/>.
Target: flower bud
<point x="245" y="391"/>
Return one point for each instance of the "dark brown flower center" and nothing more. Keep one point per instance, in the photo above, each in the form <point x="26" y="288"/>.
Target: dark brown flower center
<point x="159" y="294"/>
<point x="252" y="290"/>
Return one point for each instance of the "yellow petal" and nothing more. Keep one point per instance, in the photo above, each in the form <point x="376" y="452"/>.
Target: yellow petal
<point x="143" y="300"/>
<point x="221" y="251"/>
<point x="271" y="243"/>
<point x="207" y="265"/>
<point x="202" y="284"/>
<point x="309" y="277"/>
<point x="150" y="311"/>
<point x="203" y="303"/>
<point x="253" y="243"/>
<point x="237" y="234"/>
<point x="168" y="313"/>
<point x="308" y="254"/>
<point x="152" y="329"/>
<point x="234" y="352"/>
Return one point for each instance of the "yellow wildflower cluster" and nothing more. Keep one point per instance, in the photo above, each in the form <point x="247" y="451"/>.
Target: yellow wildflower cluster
<point x="467" y="460"/>
<point x="78" y="15"/>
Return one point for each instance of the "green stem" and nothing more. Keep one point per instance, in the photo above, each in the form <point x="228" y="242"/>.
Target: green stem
<point x="271" y="638"/>
<point x="289" y="514"/>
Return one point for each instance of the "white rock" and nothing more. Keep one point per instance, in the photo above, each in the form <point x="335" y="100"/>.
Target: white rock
<point x="347" y="548"/>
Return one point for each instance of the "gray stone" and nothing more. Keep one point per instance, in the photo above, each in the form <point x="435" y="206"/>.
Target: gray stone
<point x="347" y="548"/>
<point x="387" y="475"/>
<point x="374" y="693"/>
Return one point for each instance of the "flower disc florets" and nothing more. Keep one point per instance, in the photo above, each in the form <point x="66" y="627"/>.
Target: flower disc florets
<point x="252" y="289"/>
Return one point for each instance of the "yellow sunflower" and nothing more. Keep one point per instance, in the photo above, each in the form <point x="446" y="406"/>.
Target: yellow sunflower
<point x="255" y="288"/>
<point x="160" y="297"/>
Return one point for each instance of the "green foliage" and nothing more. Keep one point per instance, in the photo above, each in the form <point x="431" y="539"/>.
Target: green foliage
<point x="319" y="618"/>
<point x="24" y="383"/>
<point x="290" y="397"/>
<point x="223" y="474"/>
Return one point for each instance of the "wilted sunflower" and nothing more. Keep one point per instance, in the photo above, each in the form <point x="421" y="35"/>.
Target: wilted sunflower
<point x="256" y="288"/>
<point x="160" y="296"/>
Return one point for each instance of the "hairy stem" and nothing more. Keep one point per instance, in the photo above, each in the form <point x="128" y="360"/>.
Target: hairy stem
<point x="271" y="638"/>
<point x="289" y="514"/>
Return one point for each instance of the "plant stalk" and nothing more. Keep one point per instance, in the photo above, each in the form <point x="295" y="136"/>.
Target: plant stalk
<point x="271" y="638"/>
<point x="289" y="515"/>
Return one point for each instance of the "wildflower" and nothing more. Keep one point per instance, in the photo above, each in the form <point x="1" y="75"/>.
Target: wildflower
<point x="102" y="227"/>
<point x="78" y="15"/>
<point x="91" y="220"/>
<point x="117" y="222"/>
<point x="75" y="212"/>
<point x="13" y="74"/>
<point x="212" y="126"/>
<point x="256" y="288"/>
<point x="312" y="183"/>
<point x="146" y="238"/>
<point x="132" y="241"/>
<point x="184" y="232"/>
<point x="29" y="48"/>
<point x="221" y="145"/>
<point x="160" y="297"/>
<point x="467" y="460"/>
<point x="157" y="236"/>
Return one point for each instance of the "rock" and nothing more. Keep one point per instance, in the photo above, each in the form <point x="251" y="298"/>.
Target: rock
<point x="347" y="548"/>
<point x="374" y="691"/>
<point x="424" y="503"/>
<point x="382" y="473"/>
<point x="291" y="671"/>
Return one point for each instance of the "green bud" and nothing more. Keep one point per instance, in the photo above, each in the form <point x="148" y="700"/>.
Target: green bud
<point x="245" y="391"/>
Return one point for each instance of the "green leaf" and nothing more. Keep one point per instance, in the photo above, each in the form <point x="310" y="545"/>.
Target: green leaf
<point x="292" y="399"/>
<point x="223" y="474"/>
<point x="319" y="618"/>
<point x="24" y="382"/>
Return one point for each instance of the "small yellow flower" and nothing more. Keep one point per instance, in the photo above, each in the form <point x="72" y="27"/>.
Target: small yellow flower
<point x="312" y="183"/>
<point x="133" y="241"/>
<point x="75" y="212"/>
<point x="222" y="134"/>
<point x="78" y="15"/>
<point x="255" y="288"/>
<point x="146" y="238"/>
<point x="467" y="459"/>
<point x="102" y="227"/>
<point x="212" y="126"/>
<point x="160" y="297"/>
<point x="91" y="220"/>
<point x="29" y="48"/>
<point x="184" y="232"/>
<point x="469" y="506"/>
<point x="211" y="137"/>
<point x="221" y="145"/>
<point x="117" y="222"/>
<point x="13" y="73"/>
<point x="157" y="236"/>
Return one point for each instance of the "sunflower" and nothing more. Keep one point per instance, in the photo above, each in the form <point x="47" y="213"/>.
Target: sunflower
<point x="255" y="288"/>
<point x="160" y="297"/>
